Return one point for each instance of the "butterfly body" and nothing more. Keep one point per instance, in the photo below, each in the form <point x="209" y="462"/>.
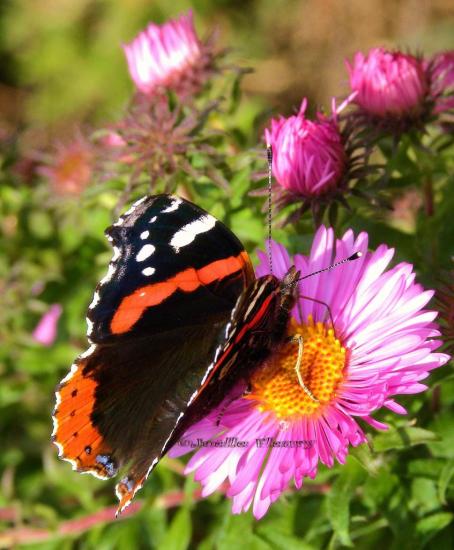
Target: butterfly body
<point x="177" y="322"/>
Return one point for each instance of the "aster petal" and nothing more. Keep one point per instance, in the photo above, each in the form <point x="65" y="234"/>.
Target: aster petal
<point x="395" y="407"/>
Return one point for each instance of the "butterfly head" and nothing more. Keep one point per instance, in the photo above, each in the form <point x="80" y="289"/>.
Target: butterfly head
<point x="289" y="288"/>
<point x="286" y="294"/>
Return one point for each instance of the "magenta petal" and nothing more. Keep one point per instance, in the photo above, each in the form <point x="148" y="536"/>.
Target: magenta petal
<point x="395" y="407"/>
<point x="45" y="332"/>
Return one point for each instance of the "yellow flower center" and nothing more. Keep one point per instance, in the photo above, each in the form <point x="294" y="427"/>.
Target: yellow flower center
<point x="275" y="385"/>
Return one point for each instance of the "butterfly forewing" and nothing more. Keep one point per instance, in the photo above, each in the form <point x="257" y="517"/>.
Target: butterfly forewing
<point x="173" y="261"/>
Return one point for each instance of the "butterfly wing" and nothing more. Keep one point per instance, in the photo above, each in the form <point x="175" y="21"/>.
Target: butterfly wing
<point x="169" y="255"/>
<point x="154" y="324"/>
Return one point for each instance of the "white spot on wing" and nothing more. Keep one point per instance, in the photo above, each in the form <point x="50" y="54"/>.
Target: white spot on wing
<point x="140" y="201"/>
<point x="117" y="253"/>
<point x="153" y="219"/>
<point x="95" y="301"/>
<point x="88" y="352"/>
<point x="144" y="235"/>
<point x="74" y="369"/>
<point x="145" y="252"/>
<point x="189" y="232"/>
<point x="148" y="271"/>
<point x="173" y="206"/>
<point x="108" y="275"/>
<point x="110" y="271"/>
<point x="134" y="206"/>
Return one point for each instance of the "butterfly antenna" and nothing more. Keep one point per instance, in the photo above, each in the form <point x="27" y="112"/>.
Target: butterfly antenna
<point x="269" y="156"/>
<point x="354" y="256"/>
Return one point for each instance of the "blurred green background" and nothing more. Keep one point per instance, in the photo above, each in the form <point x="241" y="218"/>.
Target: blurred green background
<point x="61" y="70"/>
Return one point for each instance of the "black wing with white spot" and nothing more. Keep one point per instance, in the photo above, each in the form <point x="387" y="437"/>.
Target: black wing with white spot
<point x="160" y="276"/>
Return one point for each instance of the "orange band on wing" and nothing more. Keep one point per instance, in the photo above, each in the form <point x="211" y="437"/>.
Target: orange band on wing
<point x="76" y="437"/>
<point x="132" y="307"/>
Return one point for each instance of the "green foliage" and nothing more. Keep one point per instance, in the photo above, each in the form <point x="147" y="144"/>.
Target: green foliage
<point x="397" y="491"/>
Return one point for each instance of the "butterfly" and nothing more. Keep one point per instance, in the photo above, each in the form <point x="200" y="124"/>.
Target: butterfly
<point x="178" y="321"/>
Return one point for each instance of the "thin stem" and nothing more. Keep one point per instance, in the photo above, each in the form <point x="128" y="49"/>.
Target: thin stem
<point x="429" y="197"/>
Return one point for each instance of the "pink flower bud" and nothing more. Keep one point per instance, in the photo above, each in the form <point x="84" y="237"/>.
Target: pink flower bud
<point x="168" y="56"/>
<point x="309" y="158"/>
<point x="45" y="332"/>
<point x="388" y="83"/>
<point x="112" y="139"/>
<point x="441" y="69"/>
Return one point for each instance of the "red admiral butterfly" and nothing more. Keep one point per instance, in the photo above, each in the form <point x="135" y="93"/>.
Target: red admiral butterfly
<point x="177" y="321"/>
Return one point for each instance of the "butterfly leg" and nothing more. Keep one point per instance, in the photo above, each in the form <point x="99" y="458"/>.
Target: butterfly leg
<point x="298" y="338"/>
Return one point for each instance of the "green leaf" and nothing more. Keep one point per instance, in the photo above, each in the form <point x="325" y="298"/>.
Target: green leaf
<point x="366" y="459"/>
<point x="443" y="425"/>
<point x="443" y="482"/>
<point x="240" y="184"/>
<point x="239" y="528"/>
<point x="278" y="539"/>
<point x="247" y="227"/>
<point x="401" y="438"/>
<point x="379" y="488"/>
<point x="424" y="497"/>
<point x="178" y="535"/>
<point x="338" y="500"/>
<point x="429" y="526"/>
<point x="425" y="467"/>
<point x="339" y="509"/>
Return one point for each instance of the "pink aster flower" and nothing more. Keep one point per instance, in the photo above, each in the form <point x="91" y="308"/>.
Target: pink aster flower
<point x="388" y="84"/>
<point x="70" y="168"/>
<point x="309" y="158"/>
<point x="169" y="56"/>
<point x="45" y="332"/>
<point x="441" y="74"/>
<point x="445" y="302"/>
<point x="382" y="345"/>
